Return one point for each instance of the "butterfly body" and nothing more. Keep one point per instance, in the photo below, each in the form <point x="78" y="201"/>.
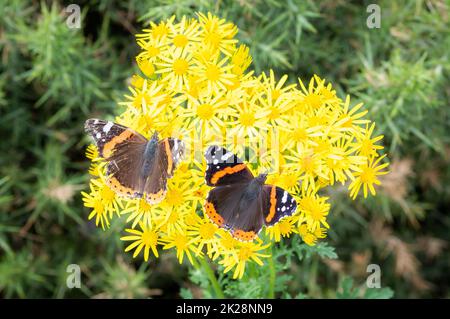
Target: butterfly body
<point x="240" y="202"/>
<point x="137" y="167"/>
<point x="149" y="156"/>
<point x="251" y="192"/>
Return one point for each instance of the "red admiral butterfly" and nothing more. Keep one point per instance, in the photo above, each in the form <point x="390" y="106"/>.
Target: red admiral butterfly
<point x="239" y="201"/>
<point x="137" y="167"/>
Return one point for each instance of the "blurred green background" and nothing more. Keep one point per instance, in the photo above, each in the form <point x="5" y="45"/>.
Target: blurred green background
<point x="52" y="78"/>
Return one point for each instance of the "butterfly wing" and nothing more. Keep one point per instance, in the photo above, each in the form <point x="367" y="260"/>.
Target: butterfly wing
<point x="169" y="153"/>
<point x="278" y="203"/>
<point x="225" y="168"/>
<point x="123" y="172"/>
<point x="111" y="137"/>
<point x="123" y="148"/>
<point x="232" y="208"/>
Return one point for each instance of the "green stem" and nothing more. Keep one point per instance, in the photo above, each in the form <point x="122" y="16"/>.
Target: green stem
<point x="212" y="278"/>
<point x="312" y="282"/>
<point x="272" y="275"/>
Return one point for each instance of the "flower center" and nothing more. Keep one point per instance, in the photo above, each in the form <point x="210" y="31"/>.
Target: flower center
<point x="150" y="238"/>
<point x="367" y="175"/>
<point x="299" y="134"/>
<point x="173" y="217"/>
<point x="308" y="164"/>
<point x="144" y="206"/>
<point x="326" y="93"/>
<point x="98" y="207"/>
<point x="213" y="39"/>
<point x="366" y="147"/>
<point x="237" y="70"/>
<point x="212" y="72"/>
<point x="147" y="67"/>
<point x="146" y="121"/>
<point x="180" y="40"/>
<point x="316" y="213"/>
<point x="289" y="180"/>
<point x="303" y="230"/>
<point x="207" y="231"/>
<point x="160" y="30"/>
<point x="152" y="51"/>
<point x="228" y="243"/>
<point x="309" y="239"/>
<point x="274" y="113"/>
<point x="313" y="100"/>
<point x="137" y="81"/>
<point x="285" y="228"/>
<point x="180" y="241"/>
<point x="180" y="66"/>
<point x="108" y="194"/>
<point x="247" y="119"/>
<point x="205" y="111"/>
<point x="174" y="197"/>
<point x="137" y="101"/>
<point x="244" y="253"/>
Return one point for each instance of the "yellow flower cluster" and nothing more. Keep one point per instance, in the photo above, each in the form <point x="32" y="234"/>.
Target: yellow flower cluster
<point x="194" y="85"/>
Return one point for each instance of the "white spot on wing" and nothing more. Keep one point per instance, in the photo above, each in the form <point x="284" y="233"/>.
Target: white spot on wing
<point x="226" y="156"/>
<point x="284" y="199"/>
<point x="107" y="127"/>
<point x="99" y="135"/>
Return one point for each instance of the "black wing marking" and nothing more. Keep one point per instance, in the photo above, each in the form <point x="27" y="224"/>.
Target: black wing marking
<point x="109" y="136"/>
<point x="171" y="152"/>
<point x="278" y="203"/>
<point x="225" y="168"/>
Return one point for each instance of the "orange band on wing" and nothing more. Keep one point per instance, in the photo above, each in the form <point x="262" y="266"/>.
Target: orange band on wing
<point x="118" y="188"/>
<point x="213" y="215"/>
<point x="108" y="148"/>
<point x="227" y="170"/>
<point x="244" y="235"/>
<point x="273" y="203"/>
<point x="169" y="156"/>
<point x="157" y="197"/>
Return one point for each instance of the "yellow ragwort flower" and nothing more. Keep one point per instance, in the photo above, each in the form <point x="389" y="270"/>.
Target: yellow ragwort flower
<point x="244" y="253"/>
<point x="367" y="177"/>
<point x="146" y="238"/>
<point x="194" y="84"/>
